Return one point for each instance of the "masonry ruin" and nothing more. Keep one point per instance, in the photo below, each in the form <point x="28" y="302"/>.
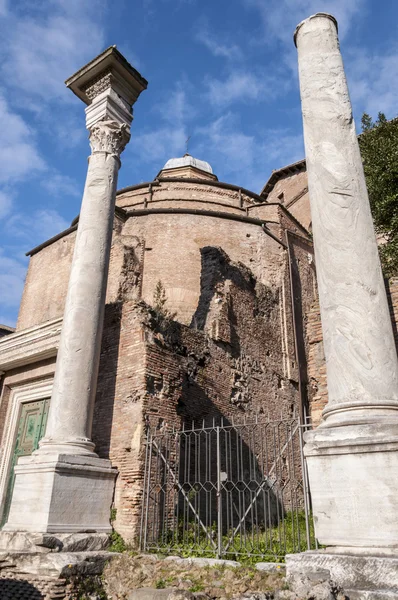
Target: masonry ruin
<point x="211" y="312"/>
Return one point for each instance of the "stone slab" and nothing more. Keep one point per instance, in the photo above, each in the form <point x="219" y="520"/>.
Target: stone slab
<point x="56" y="493"/>
<point x="203" y="562"/>
<point x="358" y="574"/>
<point x="352" y="473"/>
<point x="155" y="594"/>
<point x="270" y="567"/>
<point x="24" y="541"/>
<point x="373" y="595"/>
<point x="57" y="564"/>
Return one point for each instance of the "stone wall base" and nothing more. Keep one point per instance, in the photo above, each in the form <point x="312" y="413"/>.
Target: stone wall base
<point x="354" y="490"/>
<point x="49" y="576"/>
<point x="62" y="493"/>
<point x="18" y="542"/>
<point x="361" y="577"/>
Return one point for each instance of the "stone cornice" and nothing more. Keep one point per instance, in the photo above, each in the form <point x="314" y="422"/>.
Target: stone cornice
<point x="30" y="345"/>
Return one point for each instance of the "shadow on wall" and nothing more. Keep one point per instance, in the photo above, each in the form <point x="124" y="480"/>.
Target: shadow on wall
<point x="230" y="479"/>
<point x="105" y="397"/>
<point x="216" y="268"/>
<point x="185" y="467"/>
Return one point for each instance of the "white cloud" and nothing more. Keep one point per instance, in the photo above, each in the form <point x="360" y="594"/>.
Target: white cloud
<point x="373" y="82"/>
<point x="159" y="145"/>
<point x="212" y="43"/>
<point x="227" y="143"/>
<point x="19" y="155"/>
<point x="27" y="231"/>
<point x="61" y="185"/>
<point x="242" y="86"/>
<point x="176" y="108"/>
<point x="12" y="277"/>
<point x="280" y="17"/>
<point x="243" y="158"/>
<point x="168" y="140"/>
<point x="47" y="47"/>
<point x="5" y="203"/>
<point x="36" y="228"/>
<point x="70" y="131"/>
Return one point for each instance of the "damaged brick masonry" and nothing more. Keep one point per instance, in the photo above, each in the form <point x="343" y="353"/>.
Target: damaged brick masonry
<point x="245" y="338"/>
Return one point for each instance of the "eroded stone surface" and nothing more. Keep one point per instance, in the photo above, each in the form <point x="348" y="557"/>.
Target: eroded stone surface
<point x="366" y="573"/>
<point x="354" y="453"/>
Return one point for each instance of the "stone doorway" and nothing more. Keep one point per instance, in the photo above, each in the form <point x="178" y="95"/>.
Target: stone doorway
<point x="31" y="428"/>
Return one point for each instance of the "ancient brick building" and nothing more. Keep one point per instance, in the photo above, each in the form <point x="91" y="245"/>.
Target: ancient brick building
<point x="211" y="313"/>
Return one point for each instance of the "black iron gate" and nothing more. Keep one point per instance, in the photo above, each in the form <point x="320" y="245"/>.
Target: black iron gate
<point x="227" y="490"/>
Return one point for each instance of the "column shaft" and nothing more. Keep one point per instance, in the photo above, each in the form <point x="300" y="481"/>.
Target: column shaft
<point x="72" y="402"/>
<point x="64" y="487"/>
<point x="353" y="456"/>
<point x="362" y="368"/>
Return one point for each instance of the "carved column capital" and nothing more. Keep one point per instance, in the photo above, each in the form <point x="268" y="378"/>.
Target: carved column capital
<point x="109" y="136"/>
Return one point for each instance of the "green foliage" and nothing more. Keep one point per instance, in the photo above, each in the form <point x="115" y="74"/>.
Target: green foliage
<point x="198" y="587"/>
<point x="268" y="545"/>
<point x="117" y="543"/>
<point x="379" y="149"/>
<point x="88" y="587"/>
<point x="163" y="315"/>
<point x="160" y="584"/>
<point x="160" y="301"/>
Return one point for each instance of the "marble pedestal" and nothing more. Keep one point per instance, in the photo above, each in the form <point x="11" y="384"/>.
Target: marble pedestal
<point x="360" y="577"/>
<point x="354" y="486"/>
<point x="62" y="493"/>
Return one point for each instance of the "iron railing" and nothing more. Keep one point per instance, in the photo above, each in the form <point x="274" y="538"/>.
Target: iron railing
<point x="227" y="490"/>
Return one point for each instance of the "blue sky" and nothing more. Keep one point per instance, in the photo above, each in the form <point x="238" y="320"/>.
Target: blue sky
<point x="221" y="71"/>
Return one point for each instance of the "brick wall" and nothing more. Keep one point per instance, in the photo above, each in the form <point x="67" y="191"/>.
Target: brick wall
<point x="317" y="388"/>
<point x="228" y="354"/>
<point x="292" y="191"/>
<point x="228" y="364"/>
<point x="47" y="279"/>
<point x="118" y="420"/>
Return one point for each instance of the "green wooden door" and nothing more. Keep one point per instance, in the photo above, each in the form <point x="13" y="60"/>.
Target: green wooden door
<point x="31" y="428"/>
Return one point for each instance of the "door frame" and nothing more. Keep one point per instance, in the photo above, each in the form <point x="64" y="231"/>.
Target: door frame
<point x="19" y="395"/>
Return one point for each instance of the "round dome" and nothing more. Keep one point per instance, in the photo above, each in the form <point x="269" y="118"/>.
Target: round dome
<point x="188" y="161"/>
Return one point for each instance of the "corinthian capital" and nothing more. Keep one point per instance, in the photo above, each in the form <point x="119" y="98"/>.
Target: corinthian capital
<point x="109" y="136"/>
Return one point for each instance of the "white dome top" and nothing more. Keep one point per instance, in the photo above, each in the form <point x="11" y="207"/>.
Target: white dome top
<point x="188" y="161"/>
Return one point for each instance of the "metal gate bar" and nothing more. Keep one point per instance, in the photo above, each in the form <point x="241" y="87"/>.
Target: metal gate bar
<point x="227" y="490"/>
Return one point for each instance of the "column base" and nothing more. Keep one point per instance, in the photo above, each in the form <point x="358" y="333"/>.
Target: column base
<point x="360" y="577"/>
<point x="61" y="493"/>
<point x="354" y="486"/>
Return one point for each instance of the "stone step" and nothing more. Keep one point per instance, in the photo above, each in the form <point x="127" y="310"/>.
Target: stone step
<point x="372" y="594"/>
<point x="57" y="564"/>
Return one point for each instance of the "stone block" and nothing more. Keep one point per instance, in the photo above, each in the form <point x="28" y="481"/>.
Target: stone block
<point x="360" y="577"/>
<point x="24" y="541"/>
<point x="203" y="562"/>
<point x="270" y="567"/>
<point x="155" y="594"/>
<point x="56" y="564"/>
<point x="352" y="472"/>
<point x="56" y="493"/>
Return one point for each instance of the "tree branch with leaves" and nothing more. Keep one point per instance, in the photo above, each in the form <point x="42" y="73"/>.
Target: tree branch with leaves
<point x="378" y="144"/>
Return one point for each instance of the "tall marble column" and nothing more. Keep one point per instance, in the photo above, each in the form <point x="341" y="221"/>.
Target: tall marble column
<point x="72" y="401"/>
<point x="64" y="486"/>
<point x="353" y="456"/>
